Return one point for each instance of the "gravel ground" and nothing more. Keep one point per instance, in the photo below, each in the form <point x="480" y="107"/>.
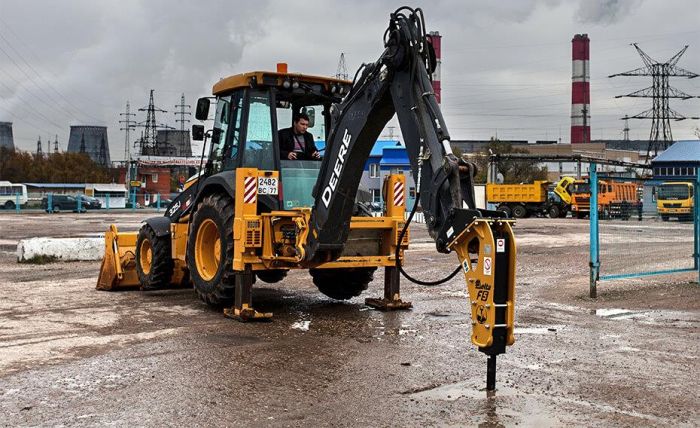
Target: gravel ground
<point x="70" y="355"/>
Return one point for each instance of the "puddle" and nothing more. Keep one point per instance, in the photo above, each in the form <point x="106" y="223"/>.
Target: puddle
<point x="653" y="317"/>
<point x="504" y="407"/>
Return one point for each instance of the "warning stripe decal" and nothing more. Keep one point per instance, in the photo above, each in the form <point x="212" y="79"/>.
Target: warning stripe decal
<point x="398" y="193"/>
<point x="250" y="190"/>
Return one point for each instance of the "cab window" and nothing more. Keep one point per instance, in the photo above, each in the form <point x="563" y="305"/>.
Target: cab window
<point x="259" y="151"/>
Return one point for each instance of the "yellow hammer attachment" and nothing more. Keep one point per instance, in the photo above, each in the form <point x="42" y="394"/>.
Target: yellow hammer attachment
<point x="118" y="268"/>
<point x="486" y="250"/>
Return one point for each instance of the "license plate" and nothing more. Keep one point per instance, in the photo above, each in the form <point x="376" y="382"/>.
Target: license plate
<point x="267" y="186"/>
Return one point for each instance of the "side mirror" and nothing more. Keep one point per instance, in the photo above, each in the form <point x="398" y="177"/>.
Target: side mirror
<point x="311" y="112"/>
<point x="202" y="111"/>
<point x="198" y="132"/>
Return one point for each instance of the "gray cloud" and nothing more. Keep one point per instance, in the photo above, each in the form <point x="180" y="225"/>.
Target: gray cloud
<point x="605" y="11"/>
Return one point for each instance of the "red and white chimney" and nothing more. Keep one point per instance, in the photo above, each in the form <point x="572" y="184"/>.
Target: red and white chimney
<point x="580" y="90"/>
<point x="436" y="40"/>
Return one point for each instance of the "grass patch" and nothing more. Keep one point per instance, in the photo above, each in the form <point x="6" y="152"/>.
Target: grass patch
<point x="40" y="260"/>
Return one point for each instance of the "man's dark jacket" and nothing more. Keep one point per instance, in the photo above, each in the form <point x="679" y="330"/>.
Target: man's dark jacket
<point x="286" y="139"/>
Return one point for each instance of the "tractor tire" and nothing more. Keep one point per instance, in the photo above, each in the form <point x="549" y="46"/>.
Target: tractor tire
<point x="664" y="218"/>
<point x="342" y="283"/>
<point x="554" y="211"/>
<point x="154" y="264"/>
<point x="563" y="213"/>
<point x="271" y="276"/>
<point x="519" y="211"/>
<point x="210" y="250"/>
<point x="506" y="209"/>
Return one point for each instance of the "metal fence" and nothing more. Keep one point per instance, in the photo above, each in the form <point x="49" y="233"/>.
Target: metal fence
<point x="648" y="220"/>
<point x="52" y="202"/>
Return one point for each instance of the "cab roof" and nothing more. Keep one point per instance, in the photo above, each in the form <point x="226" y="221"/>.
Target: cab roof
<point x="272" y="78"/>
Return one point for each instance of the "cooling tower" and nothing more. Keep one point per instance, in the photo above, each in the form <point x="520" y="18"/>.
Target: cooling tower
<point x="6" y="139"/>
<point x="171" y="142"/>
<point x="91" y="140"/>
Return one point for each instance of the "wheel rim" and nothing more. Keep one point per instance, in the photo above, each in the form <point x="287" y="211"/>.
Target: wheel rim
<point x="208" y="250"/>
<point x="146" y="256"/>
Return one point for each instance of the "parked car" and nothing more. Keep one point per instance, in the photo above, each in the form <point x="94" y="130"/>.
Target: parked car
<point x="61" y="203"/>
<point x="163" y="203"/>
<point x="90" y="203"/>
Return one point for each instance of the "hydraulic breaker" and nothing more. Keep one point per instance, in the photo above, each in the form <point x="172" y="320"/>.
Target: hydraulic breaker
<point x="486" y="250"/>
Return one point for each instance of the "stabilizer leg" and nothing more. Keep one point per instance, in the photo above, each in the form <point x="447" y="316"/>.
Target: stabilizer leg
<point x="242" y="309"/>
<point x="392" y="293"/>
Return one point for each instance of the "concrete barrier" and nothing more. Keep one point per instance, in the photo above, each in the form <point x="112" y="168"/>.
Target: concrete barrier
<point x="64" y="249"/>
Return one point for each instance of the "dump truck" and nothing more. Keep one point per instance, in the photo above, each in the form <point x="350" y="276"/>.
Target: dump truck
<point x="615" y="199"/>
<point x="675" y="199"/>
<point x="250" y="213"/>
<point x="523" y="200"/>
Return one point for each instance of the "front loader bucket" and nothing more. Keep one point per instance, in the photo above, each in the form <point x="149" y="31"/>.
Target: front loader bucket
<point x="118" y="270"/>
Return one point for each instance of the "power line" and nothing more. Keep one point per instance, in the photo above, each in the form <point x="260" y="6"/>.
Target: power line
<point x="51" y="87"/>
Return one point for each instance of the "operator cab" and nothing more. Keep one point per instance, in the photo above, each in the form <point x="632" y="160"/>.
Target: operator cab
<point x="250" y="110"/>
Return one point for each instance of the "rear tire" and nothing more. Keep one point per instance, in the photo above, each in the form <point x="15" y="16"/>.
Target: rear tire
<point x="271" y="276"/>
<point x="9" y="205"/>
<point x="343" y="283"/>
<point x="506" y="209"/>
<point x="664" y="218"/>
<point x="519" y="211"/>
<point x="210" y="250"/>
<point x="154" y="263"/>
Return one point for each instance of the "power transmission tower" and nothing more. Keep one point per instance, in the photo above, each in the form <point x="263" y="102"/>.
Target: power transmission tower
<point x="183" y="147"/>
<point x="626" y="130"/>
<point x="149" y="142"/>
<point x="182" y="113"/>
<point x="128" y="126"/>
<point x="39" y="152"/>
<point x="55" y="145"/>
<point x="660" y="92"/>
<point x="342" y="72"/>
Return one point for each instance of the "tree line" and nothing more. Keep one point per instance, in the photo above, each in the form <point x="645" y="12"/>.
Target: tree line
<point x="24" y="167"/>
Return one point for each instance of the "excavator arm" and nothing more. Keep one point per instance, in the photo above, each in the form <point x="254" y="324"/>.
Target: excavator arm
<point x="399" y="83"/>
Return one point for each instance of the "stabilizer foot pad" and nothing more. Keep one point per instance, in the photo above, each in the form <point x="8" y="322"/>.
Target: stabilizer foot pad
<point x="247" y="314"/>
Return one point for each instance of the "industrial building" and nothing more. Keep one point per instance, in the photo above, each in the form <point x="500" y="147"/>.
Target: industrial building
<point x="91" y="140"/>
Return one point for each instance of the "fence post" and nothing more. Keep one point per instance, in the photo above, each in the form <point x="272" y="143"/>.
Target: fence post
<point x="157" y="202"/>
<point x="133" y="200"/>
<point x="17" y="202"/>
<point x="49" y="203"/>
<point x="594" y="243"/>
<point x="80" y="203"/>
<point x="107" y="201"/>
<point x="696" y="223"/>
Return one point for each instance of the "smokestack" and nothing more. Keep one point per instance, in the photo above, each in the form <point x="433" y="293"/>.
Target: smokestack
<point x="436" y="40"/>
<point x="580" y="90"/>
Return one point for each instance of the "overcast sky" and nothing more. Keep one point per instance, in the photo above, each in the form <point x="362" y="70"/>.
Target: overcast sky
<point x="506" y="66"/>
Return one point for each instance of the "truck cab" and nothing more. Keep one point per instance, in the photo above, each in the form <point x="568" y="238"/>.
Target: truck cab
<point x="675" y="199"/>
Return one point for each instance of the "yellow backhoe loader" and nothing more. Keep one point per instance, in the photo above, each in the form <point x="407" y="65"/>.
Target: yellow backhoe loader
<point x="255" y="211"/>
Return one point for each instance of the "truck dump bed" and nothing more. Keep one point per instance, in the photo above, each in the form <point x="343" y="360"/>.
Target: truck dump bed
<point x="525" y="193"/>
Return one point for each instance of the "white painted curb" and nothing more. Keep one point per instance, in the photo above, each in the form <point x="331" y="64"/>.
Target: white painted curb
<point x="65" y="249"/>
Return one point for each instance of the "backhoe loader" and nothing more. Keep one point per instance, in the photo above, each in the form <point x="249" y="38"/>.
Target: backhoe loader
<point x="250" y="214"/>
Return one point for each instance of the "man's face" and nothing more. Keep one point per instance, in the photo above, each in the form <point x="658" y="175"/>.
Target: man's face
<point x="301" y="125"/>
